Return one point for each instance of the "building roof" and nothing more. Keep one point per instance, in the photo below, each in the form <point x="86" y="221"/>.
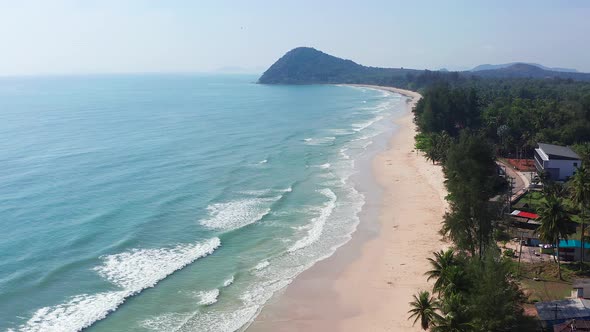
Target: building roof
<point x="557" y="151"/>
<point x="525" y="233"/>
<point x="572" y="244"/>
<point x="563" y="309"/>
<point x="524" y="214"/>
<point x="580" y="325"/>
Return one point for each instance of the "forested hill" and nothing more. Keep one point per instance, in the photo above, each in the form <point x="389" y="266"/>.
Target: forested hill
<point x="305" y="65"/>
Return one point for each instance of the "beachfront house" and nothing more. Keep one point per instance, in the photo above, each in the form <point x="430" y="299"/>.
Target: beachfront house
<point x="561" y="311"/>
<point x="558" y="162"/>
<point x="569" y="250"/>
<point x="581" y="288"/>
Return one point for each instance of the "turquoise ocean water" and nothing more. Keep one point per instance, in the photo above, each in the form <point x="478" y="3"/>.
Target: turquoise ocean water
<point x="172" y="202"/>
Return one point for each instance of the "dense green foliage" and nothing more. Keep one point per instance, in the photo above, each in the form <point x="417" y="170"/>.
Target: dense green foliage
<point x="471" y="180"/>
<point x="473" y="294"/>
<point x="514" y="115"/>
<point x="472" y="283"/>
<point x="480" y="119"/>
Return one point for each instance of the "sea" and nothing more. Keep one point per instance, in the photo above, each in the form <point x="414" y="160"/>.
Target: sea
<point x="170" y="202"/>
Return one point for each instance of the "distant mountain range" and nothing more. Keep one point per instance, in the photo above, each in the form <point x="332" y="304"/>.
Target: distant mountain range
<point x="506" y="65"/>
<point x="524" y="70"/>
<point x="305" y="65"/>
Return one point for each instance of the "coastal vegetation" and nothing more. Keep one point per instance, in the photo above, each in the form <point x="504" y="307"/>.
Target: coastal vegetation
<point x="465" y="125"/>
<point x="512" y="114"/>
<point x="472" y="282"/>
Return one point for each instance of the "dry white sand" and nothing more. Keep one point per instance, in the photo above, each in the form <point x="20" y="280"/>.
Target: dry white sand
<point x="367" y="284"/>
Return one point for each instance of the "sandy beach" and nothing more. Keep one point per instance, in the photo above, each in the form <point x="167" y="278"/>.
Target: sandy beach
<point x="367" y="284"/>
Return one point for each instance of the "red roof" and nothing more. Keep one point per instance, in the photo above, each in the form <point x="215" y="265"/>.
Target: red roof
<point x="529" y="215"/>
<point x="523" y="214"/>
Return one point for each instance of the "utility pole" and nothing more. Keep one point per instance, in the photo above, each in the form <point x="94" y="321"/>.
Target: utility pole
<point x="519" y="254"/>
<point x="510" y="187"/>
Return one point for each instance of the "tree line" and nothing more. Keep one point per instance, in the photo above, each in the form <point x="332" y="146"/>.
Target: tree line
<point x="464" y="125"/>
<point x="514" y="115"/>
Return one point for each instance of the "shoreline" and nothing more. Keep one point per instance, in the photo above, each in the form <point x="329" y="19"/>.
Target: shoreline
<point x="367" y="283"/>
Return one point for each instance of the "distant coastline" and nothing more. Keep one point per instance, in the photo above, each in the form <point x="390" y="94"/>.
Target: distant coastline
<point x="413" y="95"/>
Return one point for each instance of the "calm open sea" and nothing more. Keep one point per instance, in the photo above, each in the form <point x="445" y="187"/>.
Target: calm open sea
<point x="171" y="202"/>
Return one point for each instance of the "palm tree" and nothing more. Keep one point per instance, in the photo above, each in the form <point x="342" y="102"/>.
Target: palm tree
<point x="442" y="260"/>
<point x="431" y="155"/>
<point x="454" y="281"/>
<point x="554" y="223"/>
<point x="455" y="318"/>
<point x="424" y="308"/>
<point x="545" y="180"/>
<point x="555" y="189"/>
<point x="451" y="323"/>
<point x="580" y="194"/>
<point x="442" y="142"/>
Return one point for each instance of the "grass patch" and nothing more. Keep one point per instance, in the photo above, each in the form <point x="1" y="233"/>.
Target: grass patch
<point x="531" y="201"/>
<point x="549" y="287"/>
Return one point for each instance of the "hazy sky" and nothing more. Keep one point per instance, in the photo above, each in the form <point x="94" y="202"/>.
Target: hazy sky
<point x="96" y="36"/>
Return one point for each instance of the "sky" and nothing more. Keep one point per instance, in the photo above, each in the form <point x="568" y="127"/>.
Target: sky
<point x="121" y="36"/>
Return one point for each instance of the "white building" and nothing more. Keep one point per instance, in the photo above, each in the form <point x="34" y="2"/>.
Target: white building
<point x="559" y="162"/>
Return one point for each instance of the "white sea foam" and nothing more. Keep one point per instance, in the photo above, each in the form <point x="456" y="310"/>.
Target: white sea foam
<point x="362" y="138"/>
<point x="366" y="145"/>
<point x="317" y="223"/>
<point x="220" y="321"/>
<point x="341" y="132"/>
<point x="166" y="322"/>
<point x="238" y="213"/>
<point x="261" y="192"/>
<point x="208" y="297"/>
<point x="344" y="154"/>
<point x="263" y="161"/>
<point x="367" y="124"/>
<point x="132" y="271"/>
<point x="323" y="166"/>
<point x="142" y="268"/>
<point x="261" y="265"/>
<point x="229" y="281"/>
<point x="77" y="313"/>
<point x="319" y="141"/>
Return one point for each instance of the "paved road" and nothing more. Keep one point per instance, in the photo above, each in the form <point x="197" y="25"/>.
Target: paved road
<point x="528" y="253"/>
<point x="521" y="180"/>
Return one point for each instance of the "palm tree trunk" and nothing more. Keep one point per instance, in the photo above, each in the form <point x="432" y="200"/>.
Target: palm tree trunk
<point x="582" y="243"/>
<point x="558" y="262"/>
